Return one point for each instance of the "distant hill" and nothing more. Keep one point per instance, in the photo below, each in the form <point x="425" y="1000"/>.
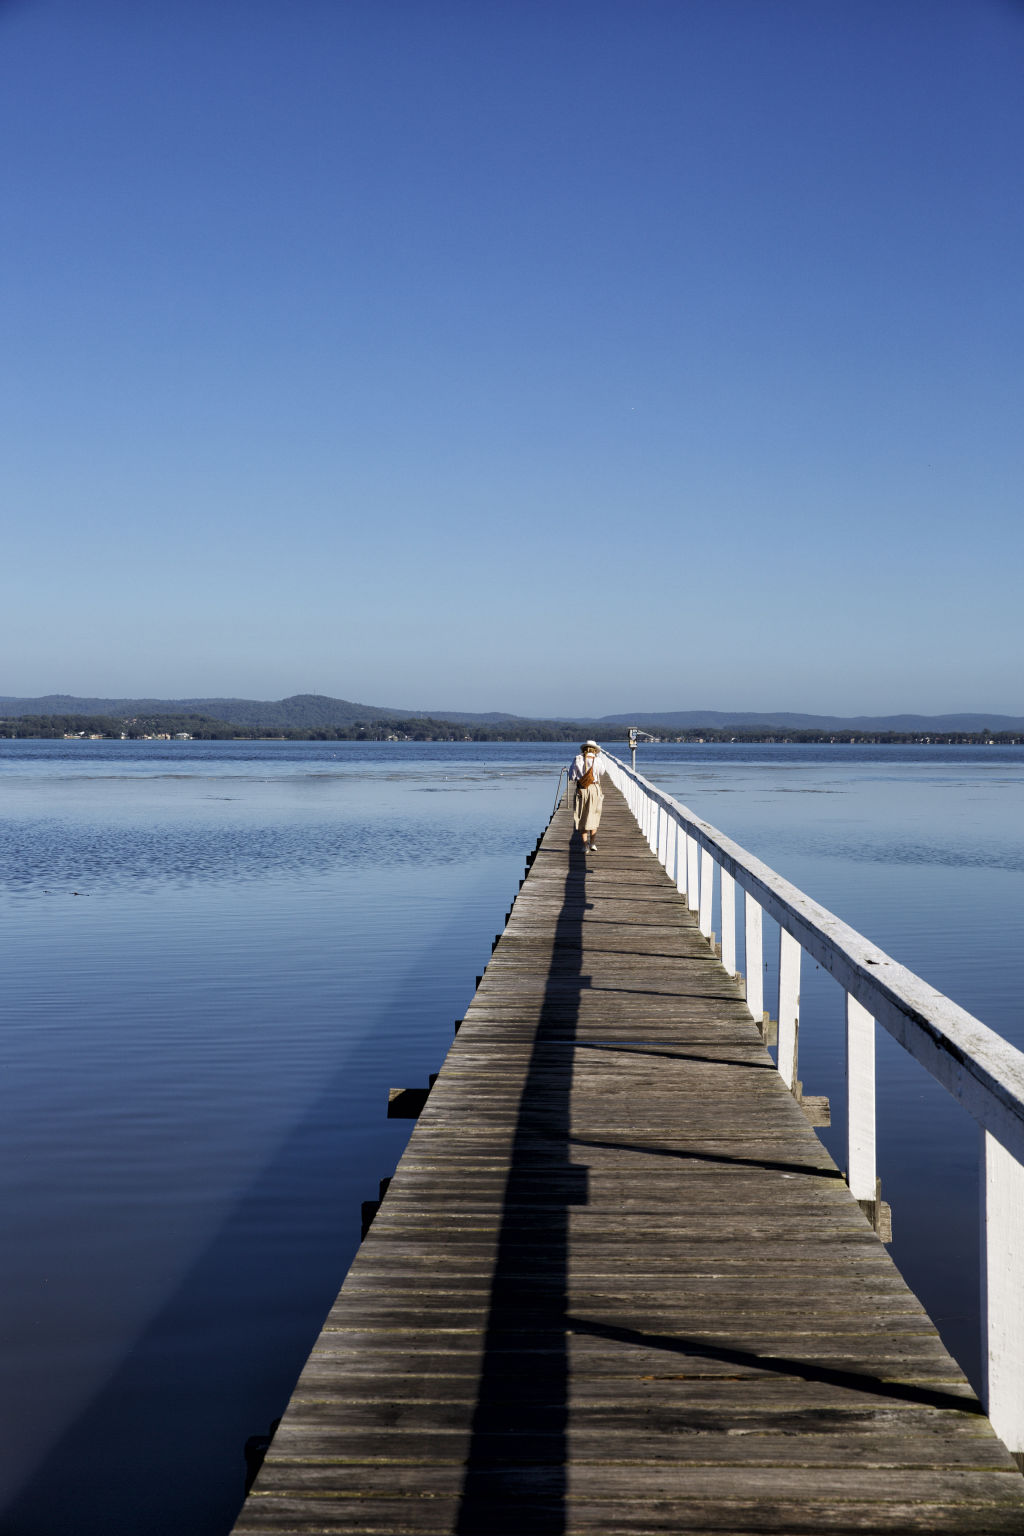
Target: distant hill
<point x="310" y="711"/>
<point x="688" y="719"/>
<point x="302" y="711"/>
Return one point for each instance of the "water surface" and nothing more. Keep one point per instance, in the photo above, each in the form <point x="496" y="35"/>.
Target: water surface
<point x="218" y="957"/>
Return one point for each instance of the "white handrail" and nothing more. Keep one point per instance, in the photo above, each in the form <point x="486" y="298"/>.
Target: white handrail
<point x="984" y="1072"/>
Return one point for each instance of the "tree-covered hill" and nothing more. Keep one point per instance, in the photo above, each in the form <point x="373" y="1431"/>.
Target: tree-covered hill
<point x="299" y="711"/>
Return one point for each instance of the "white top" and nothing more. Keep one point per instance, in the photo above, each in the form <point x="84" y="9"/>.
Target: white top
<point x="593" y="760"/>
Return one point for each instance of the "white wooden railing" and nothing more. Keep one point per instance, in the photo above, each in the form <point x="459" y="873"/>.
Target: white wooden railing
<point x="977" y="1066"/>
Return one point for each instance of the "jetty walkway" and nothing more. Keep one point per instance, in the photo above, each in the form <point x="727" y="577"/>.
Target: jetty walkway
<point x="616" y="1283"/>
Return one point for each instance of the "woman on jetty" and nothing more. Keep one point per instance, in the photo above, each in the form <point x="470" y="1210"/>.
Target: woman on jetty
<point x="586" y="770"/>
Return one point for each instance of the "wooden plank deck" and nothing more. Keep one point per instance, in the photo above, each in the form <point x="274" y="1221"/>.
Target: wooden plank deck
<point x="617" y="1285"/>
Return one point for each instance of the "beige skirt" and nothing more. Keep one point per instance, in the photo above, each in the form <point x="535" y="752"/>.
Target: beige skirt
<point x="586" y="809"/>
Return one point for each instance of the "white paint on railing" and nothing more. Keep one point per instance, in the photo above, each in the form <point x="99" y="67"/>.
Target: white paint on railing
<point x="692" y="876"/>
<point x="754" y="957"/>
<point x="728" y="900"/>
<point x="789" y="1007"/>
<point x="707" y="890"/>
<point x="982" y="1071"/>
<point x="682" y="844"/>
<point x="860" y="1101"/>
<point x="1002" y="1290"/>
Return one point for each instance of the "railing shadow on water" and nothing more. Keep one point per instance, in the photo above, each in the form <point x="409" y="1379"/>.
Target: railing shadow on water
<point x="516" y="1472"/>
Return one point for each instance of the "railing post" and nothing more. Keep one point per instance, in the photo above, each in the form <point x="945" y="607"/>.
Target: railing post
<point x="663" y="838"/>
<point x="754" y="959"/>
<point x="1002" y="1293"/>
<point x="672" y="847"/>
<point x="692" y="876"/>
<point x="682" y="844"/>
<point x="707" y="890"/>
<point x="789" y="1007"/>
<point x="861" y="1173"/>
<point x="728" y="887"/>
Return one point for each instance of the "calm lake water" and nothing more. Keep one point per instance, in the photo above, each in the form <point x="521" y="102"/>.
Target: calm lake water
<point x="217" y="959"/>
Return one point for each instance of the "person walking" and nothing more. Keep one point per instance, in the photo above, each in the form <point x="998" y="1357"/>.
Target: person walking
<point x="586" y="771"/>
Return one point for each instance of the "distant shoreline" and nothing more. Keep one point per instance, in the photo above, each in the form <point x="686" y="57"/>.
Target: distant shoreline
<point x="183" y="732"/>
<point x="320" y="713"/>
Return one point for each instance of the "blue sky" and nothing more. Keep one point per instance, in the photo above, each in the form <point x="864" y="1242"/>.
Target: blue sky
<point x="561" y="356"/>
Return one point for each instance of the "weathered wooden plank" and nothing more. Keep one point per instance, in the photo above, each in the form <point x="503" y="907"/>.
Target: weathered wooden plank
<point x="616" y="1283"/>
<point x="434" y="1516"/>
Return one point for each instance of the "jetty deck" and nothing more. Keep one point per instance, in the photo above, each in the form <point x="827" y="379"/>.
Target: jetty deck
<point x="617" y="1284"/>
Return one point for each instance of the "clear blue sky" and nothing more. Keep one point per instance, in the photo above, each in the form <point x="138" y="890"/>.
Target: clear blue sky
<point x="548" y="355"/>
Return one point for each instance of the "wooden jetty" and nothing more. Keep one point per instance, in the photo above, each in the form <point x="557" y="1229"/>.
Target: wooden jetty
<point x="616" y="1283"/>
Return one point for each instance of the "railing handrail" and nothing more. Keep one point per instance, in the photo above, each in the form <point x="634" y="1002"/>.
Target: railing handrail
<point x="984" y="1072"/>
<point x="975" y="1064"/>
